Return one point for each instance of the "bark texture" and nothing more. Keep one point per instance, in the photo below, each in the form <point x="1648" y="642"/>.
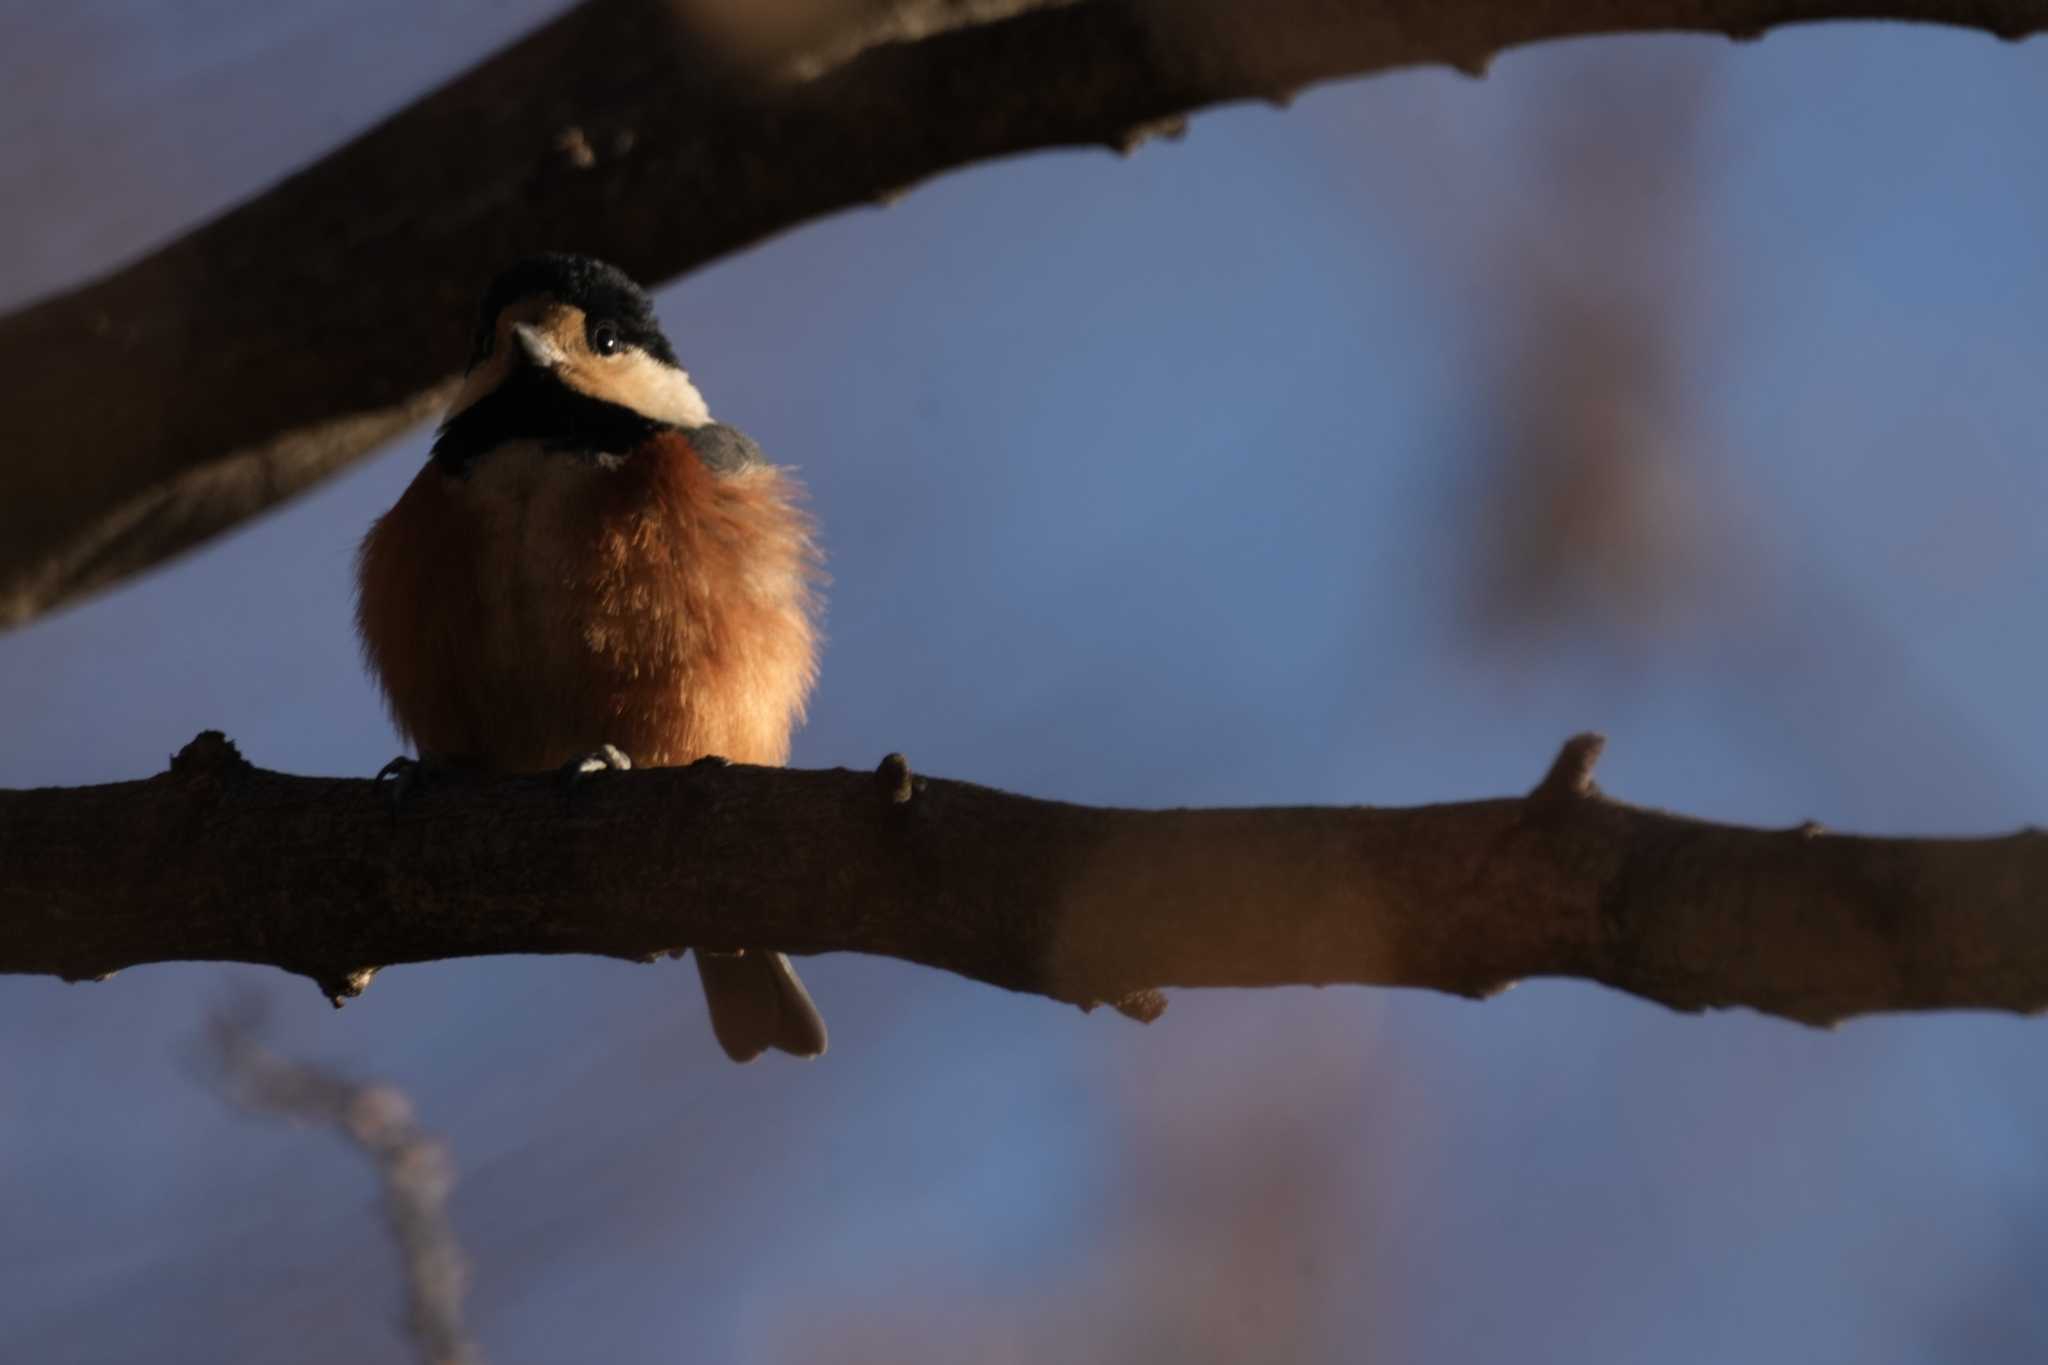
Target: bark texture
<point x="256" y="355"/>
<point x="217" y="859"/>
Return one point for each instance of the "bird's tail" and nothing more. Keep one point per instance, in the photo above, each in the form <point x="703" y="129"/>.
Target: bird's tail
<point x="757" y="1003"/>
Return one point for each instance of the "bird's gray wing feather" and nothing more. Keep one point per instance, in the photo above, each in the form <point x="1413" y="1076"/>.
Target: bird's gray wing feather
<point x="724" y="449"/>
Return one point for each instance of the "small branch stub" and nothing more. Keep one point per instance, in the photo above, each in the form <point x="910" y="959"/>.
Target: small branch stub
<point x="895" y="779"/>
<point x="1571" y="773"/>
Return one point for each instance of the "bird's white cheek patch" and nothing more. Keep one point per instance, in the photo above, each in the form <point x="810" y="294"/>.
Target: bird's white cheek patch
<point x="556" y="332"/>
<point x="636" y="380"/>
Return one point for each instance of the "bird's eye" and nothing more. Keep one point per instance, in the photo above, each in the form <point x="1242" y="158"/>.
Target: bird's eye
<point x="604" y="339"/>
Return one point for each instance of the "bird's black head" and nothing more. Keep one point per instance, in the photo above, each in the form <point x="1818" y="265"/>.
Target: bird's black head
<point x="568" y="354"/>
<point x="602" y="293"/>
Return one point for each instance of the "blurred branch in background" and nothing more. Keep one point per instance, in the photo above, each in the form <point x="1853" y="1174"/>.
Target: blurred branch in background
<point x="256" y="355"/>
<point x="219" y="860"/>
<point x="1592" y="505"/>
<point x="412" y="1164"/>
<point x="1235" y="1221"/>
<point x="1596" y="495"/>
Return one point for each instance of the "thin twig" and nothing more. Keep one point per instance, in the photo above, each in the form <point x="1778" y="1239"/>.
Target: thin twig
<point x="377" y="1120"/>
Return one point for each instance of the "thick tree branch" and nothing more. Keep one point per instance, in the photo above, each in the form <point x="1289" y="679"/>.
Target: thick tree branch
<point x="220" y="860"/>
<point x="260" y="353"/>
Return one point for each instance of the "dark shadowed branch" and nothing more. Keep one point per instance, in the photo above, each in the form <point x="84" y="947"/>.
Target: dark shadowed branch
<point x="261" y="352"/>
<point x="217" y="859"/>
<point x="412" y="1164"/>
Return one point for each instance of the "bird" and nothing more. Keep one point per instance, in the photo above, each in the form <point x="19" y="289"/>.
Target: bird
<point x="589" y="572"/>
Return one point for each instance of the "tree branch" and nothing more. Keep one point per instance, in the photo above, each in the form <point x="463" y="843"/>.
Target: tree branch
<point x="253" y="357"/>
<point x="217" y="859"/>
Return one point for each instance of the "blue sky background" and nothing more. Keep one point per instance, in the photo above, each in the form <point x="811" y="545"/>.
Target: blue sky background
<point x="1156" y="481"/>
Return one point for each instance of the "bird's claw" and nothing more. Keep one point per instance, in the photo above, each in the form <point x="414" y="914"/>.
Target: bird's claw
<point x="604" y="758"/>
<point x="406" y="776"/>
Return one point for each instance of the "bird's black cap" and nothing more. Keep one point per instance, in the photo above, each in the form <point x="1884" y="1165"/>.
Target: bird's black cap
<point x="605" y="293"/>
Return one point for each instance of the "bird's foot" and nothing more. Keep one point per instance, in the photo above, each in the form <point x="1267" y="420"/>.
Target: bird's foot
<point x="604" y="758"/>
<point x="407" y="776"/>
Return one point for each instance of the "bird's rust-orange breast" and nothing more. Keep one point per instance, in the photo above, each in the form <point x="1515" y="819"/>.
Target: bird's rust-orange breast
<point x="545" y="605"/>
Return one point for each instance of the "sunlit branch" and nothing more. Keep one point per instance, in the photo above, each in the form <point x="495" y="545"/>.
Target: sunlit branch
<point x="217" y="859"/>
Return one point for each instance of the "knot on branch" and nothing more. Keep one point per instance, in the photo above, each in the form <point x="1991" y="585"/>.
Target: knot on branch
<point x="208" y="763"/>
<point x="1474" y="64"/>
<point x="1171" y="128"/>
<point x="572" y="145"/>
<point x="342" y="987"/>
<point x="1143" y="1006"/>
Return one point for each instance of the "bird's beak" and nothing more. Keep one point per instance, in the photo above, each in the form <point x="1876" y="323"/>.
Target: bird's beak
<point x="541" y="350"/>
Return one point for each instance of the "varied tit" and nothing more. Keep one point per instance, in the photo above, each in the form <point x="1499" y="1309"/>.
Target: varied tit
<point x="588" y="561"/>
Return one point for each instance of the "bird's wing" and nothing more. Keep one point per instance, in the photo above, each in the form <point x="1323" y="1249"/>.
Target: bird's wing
<point x="724" y="449"/>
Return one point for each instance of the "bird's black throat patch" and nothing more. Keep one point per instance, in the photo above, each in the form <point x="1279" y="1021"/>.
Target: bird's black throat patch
<point x="532" y="405"/>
